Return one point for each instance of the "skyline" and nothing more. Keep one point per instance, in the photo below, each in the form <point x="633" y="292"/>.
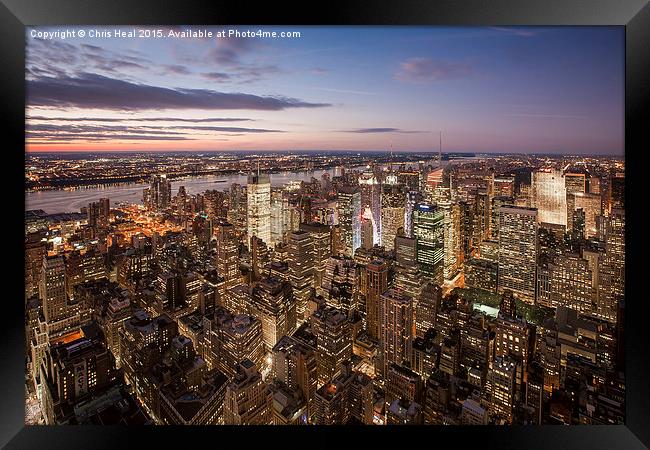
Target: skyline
<point x="526" y="90"/>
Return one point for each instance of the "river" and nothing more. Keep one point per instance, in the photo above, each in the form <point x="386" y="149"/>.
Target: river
<point x="72" y="199"/>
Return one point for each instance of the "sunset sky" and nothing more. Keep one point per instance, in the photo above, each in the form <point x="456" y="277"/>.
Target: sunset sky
<point x="492" y="89"/>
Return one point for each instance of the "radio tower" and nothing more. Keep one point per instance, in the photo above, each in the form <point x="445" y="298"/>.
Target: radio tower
<point x="440" y="151"/>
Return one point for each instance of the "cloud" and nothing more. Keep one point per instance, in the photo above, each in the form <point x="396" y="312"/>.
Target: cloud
<point x="426" y="70"/>
<point x="381" y="130"/>
<point x="318" y="71"/>
<point x="89" y="90"/>
<point x="137" y="119"/>
<point x="216" y="76"/>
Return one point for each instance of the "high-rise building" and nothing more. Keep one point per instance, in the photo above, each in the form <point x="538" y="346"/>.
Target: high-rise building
<point x="427" y="308"/>
<point x="371" y="199"/>
<point x="518" y="250"/>
<point x="273" y="304"/>
<point x="295" y="365"/>
<point x="301" y="270"/>
<point x="452" y="259"/>
<point x="549" y="196"/>
<point x="321" y="237"/>
<point x="229" y="339"/>
<point x="397" y="334"/>
<point x="408" y="277"/>
<point x="160" y="193"/>
<point x="393" y="200"/>
<point x="590" y="204"/>
<point x="52" y="288"/>
<point x="575" y="183"/>
<point x="349" y="212"/>
<point x="248" y="399"/>
<point x="500" y="389"/>
<point x="279" y="218"/>
<point x="334" y="337"/>
<point x="227" y="255"/>
<point x="376" y="284"/>
<point x="259" y="206"/>
<point x="428" y="230"/>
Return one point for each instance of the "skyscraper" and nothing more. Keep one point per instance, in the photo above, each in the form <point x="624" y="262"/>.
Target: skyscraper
<point x="334" y="337"/>
<point x="393" y="200"/>
<point x="396" y="310"/>
<point x="259" y="206"/>
<point x="428" y="229"/>
<point x="349" y="212"/>
<point x="273" y="304"/>
<point x="160" y="192"/>
<point x="549" y="196"/>
<point x="248" y="398"/>
<point x="376" y="285"/>
<point x="301" y="270"/>
<point x="371" y="199"/>
<point x="52" y="290"/>
<point x="518" y="251"/>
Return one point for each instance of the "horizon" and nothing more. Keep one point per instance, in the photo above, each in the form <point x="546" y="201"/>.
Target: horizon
<point x="495" y="90"/>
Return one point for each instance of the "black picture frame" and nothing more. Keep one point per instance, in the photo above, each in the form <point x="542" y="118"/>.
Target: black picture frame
<point x="634" y="15"/>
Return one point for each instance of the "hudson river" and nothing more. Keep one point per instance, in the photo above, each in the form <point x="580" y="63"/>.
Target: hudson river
<point x="72" y="199"/>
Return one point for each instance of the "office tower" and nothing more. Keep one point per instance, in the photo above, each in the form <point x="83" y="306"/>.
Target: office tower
<point x="408" y="277"/>
<point x="227" y="253"/>
<point x="403" y="383"/>
<point x="549" y="196"/>
<point x="590" y="204"/>
<point x="392" y="214"/>
<point x="518" y="251"/>
<point x="412" y="199"/>
<point x="367" y="230"/>
<point x="295" y="365"/>
<point x="482" y="218"/>
<point x="349" y="212"/>
<point x="476" y="349"/>
<point x="452" y="258"/>
<point x="301" y="270"/>
<point x="231" y="338"/>
<point x="361" y="398"/>
<point x="566" y="280"/>
<point x="428" y="230"/>
<point x="371" y="199"/>
<point x="396" y="312"/>
<point x="321" y="238"/>
<point x="450" y="355"/>
<point x="481" y="273"/>
<point x="248" y="400"/>
<point x="35" y="251"/>
<point x="497" y="203"/>
<point x="272" y="302"/>
<point x="340" y="286"/>
<point x="98" y="215"/>
<point x="376" y="284"/>
<point x="334" y="337"/>
<point x="279" y="217"/>
<point x="427" y="307"/>
<point x="575" y="183"/>
<point x="617" y="191"/>
<point x="500" y="389"/>
<point x="52" y="290"/>
<point x="160" y="193"/>
<point x="81" y="268"/>
<point x="513" y="335"/>
<point x="260" y="257"/>
<point x="259" y="206"/>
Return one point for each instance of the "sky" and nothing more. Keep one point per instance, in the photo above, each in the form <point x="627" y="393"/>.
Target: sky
<point x="487" y="89"/>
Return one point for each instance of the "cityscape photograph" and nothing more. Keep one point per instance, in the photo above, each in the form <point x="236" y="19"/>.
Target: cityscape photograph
<point x="324" y="225"/>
